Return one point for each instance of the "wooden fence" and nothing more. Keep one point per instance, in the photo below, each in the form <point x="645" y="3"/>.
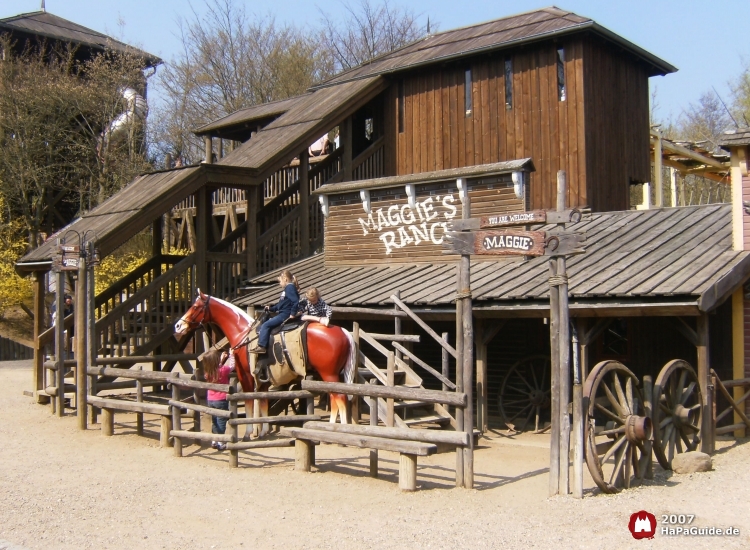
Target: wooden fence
<point x="10" y="350"/>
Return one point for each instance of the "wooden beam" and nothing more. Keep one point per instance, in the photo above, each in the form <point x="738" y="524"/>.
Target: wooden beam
<point x="345" y="136"/>
<point x="203" y="206"/>
<point x="686" y="330"/>
<point x="481" y="385"/>
<point x="658" y="151"/>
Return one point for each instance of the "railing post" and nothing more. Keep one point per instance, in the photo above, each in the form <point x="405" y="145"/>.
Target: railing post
<point x="209" y="146"/>
<point x="390" y="413"/>
<point x="304" y="201"/>
<point x="446" y="361"/>
<point x="91" y="341"/>
<point x="60" y="341"/>
<point x="202" y="212"/>
<point x="233" y="453"/>
<point x="373" y="422"/>
<point x="355" y="403"/>
<point x="139" y="399"/>
<point x="176" y="418"/>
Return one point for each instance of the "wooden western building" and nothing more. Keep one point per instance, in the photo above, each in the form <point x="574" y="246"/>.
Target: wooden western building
<point x="478" y="118"/>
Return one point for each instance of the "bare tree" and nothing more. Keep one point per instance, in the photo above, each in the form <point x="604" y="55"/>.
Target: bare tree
<point x="231" y="60"/>
<point x="368" y="31"/>
<point x="59" y="151"/>
<point x="741" y="96"/>
<point x="704" y="120"/>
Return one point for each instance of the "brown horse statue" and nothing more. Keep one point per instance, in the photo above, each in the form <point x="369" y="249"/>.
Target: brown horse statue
<point x="329" y="349"/>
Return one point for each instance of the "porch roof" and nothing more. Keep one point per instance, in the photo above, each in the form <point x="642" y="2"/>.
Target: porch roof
<point x="671" y="259"/>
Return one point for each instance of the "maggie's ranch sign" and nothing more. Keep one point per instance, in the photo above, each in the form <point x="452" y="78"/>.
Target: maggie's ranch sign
<point x="499" y="242"/>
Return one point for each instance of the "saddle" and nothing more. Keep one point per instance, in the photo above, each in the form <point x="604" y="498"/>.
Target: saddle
<point x="286" y="357"/>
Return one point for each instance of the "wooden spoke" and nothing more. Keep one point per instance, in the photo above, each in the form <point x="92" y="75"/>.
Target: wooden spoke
<point x="687" y="393"/>
<point x="681" y="383"/>
<point x="629" y="395"/>
<point x="621" y="396"/>
<point x="614" y="431"/>
<point x="612" y="399"/>
<point x="613" y="478"/>
<point x="667" y="420"/>
<point x="609" y="413"/>
<point x="613" y="449"/>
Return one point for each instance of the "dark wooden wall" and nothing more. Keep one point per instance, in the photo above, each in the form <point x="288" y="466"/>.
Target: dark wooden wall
<point x="617" y="125"/>
<point x="599" y="134"/>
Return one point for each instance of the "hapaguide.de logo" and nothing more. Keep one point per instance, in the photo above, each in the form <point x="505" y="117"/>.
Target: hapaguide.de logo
<point x="642" y="525"/>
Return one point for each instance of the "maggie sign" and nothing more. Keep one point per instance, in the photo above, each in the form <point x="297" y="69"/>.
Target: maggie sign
<point x="499" y="242"/>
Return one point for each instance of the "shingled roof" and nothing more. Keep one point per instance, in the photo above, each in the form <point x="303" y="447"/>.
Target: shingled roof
<point x="502" y="33"/>
<point x="679" y="256"/>
<point x="734" y="138"/>
<point x="47" y="25"/>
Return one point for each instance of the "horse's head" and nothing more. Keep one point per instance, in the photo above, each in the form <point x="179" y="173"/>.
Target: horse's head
<point x="198" y="314"/>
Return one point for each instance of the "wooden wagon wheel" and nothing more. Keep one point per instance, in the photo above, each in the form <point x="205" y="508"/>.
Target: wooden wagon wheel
<point x="677" y="412"/>
<point x="525" y="393"/>
<point x="618" y="444"/>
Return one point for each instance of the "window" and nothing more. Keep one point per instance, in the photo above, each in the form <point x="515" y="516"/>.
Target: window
<point x="561" y="74"/>
<point x="508" y="83"/>
<point x="401" y="106"/>
<point x="467" y="91"/>
<point x="614" y="342"/>
<point x="369" y="128"/>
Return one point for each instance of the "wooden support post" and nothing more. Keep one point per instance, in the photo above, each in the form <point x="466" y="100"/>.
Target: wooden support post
<point x="80" y="351"/>
<point x="578" y="419"/>
<point x="373" y="422"/>
<point x="303" y="451"/>
<point x="139" y="399"/>
<point x="658" y="187"/>
<point x="391" y="373"/>
<point x="738" y="350"/>
<point x="407" y="472"/>
<point x="356" y="415"/>
<point x="345" y="136"/>
<point x="234" y="457"/>
<point x="251" y="231"/>
<point x="202" y="211"/>
<point x="704" y="382"/>
<point x="468" y="368"/>
<point x="304" y="202"/>
<point x="91" y="342"/>
<point x="40" y="315"/>
<point x="397" y="323"/>
<point x="564" y="344"/>
<point x="60" y="340"/>
<point x="108" y="422"/>
<point x="176" y="419"/>
<point x="648" y="392"/>
<point x="481" y="347"/>
<point x="445" y="367"/>
<point x="673" y="186"/>
<point x="209" y="150"/>
<point x="459" y="379"/>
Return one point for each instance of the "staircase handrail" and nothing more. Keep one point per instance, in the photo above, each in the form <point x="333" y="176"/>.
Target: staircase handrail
<point x="367" y="153"/>
<point x="119" y="285"/>
<point x="143" y="293"/>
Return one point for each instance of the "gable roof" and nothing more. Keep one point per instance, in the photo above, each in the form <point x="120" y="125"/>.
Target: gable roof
<point x="304" y="122"/>
<point x="53" y="27"/>
<point x="246" y="119"/>
<point x="502" y="33"/>
<point x="679" y="256"/>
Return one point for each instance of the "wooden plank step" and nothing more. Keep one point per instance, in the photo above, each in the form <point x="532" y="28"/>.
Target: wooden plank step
<point x="362" y="441"/>
<point x="409" y="434"/>
<point x="131" y="406"/>
<point x="428" y="419"/>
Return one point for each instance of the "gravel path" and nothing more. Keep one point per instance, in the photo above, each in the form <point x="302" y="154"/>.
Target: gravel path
<point x="62" y="488"/>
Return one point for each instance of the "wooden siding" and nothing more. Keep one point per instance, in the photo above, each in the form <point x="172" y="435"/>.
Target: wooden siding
<point x="394" y="232"/>
<point x="598" y="134"/>
<point x="617" y="124"/>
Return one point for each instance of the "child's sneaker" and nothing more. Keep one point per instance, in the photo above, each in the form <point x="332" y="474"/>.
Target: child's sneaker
<point x="221" y="446"/>
<point x="214" y="445"/>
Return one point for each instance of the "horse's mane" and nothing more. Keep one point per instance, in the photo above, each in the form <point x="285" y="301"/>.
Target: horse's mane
<point x="234" y="308"/>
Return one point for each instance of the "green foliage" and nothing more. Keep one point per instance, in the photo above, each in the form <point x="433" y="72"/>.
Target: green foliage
<point x="14" y="290"/>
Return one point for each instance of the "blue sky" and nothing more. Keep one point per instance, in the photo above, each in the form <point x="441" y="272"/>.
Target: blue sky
<point x="707" y="41"/>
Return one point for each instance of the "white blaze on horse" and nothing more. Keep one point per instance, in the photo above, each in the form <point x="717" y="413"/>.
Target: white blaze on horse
<point x="330" y="349"/>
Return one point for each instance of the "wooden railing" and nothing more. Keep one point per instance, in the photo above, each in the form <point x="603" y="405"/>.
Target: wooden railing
<point x="369" y="163"/>
<point x="131" y="326"/>
<point x="735" y="404"/>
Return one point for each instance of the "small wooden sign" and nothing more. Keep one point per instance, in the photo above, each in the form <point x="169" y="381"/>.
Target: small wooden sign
<point x="68" y="258"/>
<point x="510" y="219"/>
<point x="498" y="243"/>
<point x="515" y="243"/>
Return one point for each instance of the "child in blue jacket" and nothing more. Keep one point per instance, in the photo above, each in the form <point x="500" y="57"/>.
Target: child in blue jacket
<point x="286" y="308"/>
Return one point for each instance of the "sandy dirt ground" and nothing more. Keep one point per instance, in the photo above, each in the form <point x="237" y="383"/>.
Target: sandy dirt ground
<point x="64" y="488"/>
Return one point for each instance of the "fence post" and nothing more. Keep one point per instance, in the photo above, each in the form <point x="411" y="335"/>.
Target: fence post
<point x="233" y="453"/>
<point x="373" y="422"/>
<point x="139" y="399"/>
<point x="355" y="378"/>
<point x="91" y="345"/>
<point x="390" y="413"/>
<point x="176" y="418"/>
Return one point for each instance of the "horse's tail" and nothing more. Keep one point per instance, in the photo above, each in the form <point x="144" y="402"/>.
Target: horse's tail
<point x="348" y="371"/>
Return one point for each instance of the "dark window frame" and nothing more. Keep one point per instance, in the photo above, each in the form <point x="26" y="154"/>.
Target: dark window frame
<point x="561" y="90"/>
<point x="508" y="75"/>
<point x="468" y="92"/>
